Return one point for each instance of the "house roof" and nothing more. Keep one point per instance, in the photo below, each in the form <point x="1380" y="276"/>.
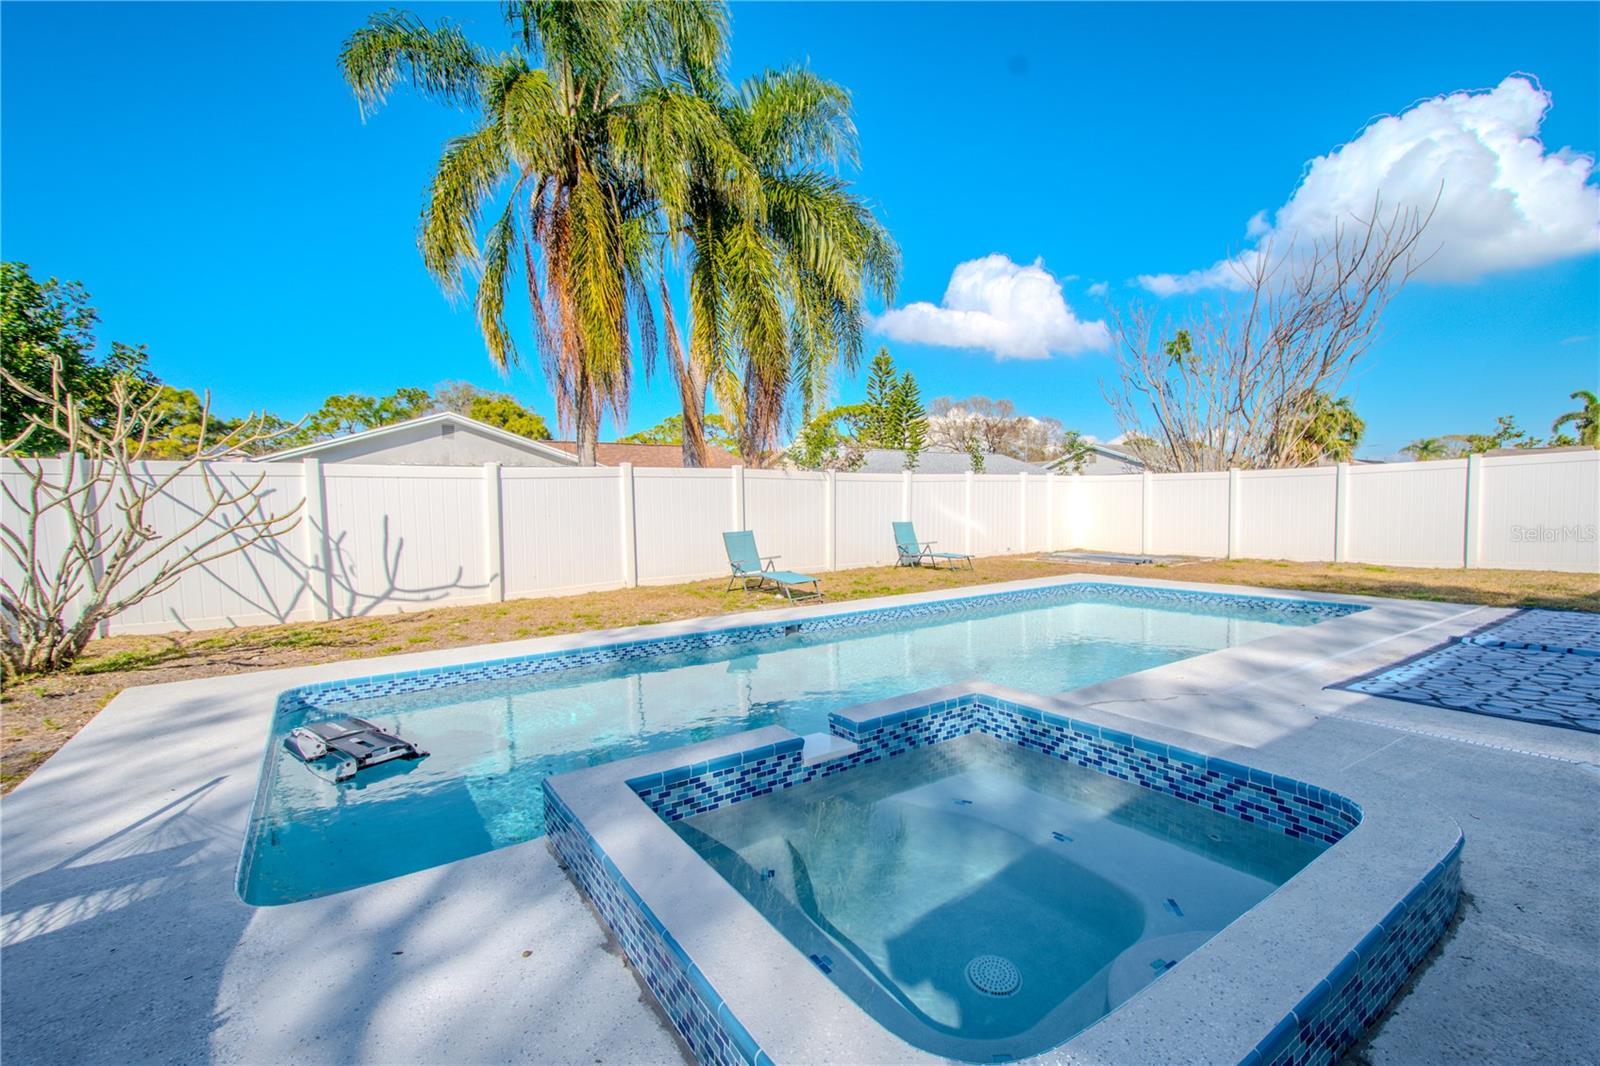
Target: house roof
<point x="671" y="455"/>
<point x="943" y="461"/>
<point x="1545" y="450"/>
<point x="1107" y="451"/>
<point x="516" y="440"/>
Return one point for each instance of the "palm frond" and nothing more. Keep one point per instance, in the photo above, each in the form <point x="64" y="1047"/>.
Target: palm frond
<point x="598" y="289"/>
<point x="793" y="117"/>
<point x="524" y="107"/>
<point x="682" y="148"/>
<point x="683" y="40"/>
<point x="832" y="232"/>
<point x="641" y="263"/>
<point x="468" y="172"/>
<point x="499" y="246"/>
<point x="397" y="46"/>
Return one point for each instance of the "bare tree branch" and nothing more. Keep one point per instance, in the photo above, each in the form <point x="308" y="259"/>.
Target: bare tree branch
<point x="111" y="557"/>
<point x="1227" y="385"/>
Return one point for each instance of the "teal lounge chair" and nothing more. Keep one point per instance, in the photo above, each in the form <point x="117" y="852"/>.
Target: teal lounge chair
<point x="914" y="552"/>
<point x="749" y="565"/>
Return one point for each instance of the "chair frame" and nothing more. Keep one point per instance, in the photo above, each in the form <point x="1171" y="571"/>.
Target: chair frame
<point x="742" y="576"/>
<point x="925" y="555"/>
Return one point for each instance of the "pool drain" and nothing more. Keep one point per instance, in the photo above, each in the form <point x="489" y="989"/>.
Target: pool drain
<point x="993" y="975"/>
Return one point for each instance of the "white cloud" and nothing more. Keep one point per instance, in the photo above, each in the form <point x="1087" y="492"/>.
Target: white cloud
<point x="1099" y="288"/>
<point x="1014" y="311"/>
<point x="1504" y="202"/>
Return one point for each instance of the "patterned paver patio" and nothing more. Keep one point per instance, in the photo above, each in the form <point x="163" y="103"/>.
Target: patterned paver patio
<point x="1537" y="666"/>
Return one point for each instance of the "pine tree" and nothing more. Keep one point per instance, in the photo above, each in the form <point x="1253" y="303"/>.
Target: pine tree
<point x="880" y="432"/>
<point x="975" y="453"/>
<point x="911" y="417"/>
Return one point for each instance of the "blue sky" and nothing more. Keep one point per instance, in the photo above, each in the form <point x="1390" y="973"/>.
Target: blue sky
<point x="203" y="169"/>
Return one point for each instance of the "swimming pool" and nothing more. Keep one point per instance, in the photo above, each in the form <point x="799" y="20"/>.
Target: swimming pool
<point x="983" y="901"/>
<point x="496" y="730"/>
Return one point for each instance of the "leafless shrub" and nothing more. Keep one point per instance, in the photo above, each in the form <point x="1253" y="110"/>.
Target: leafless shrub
<point x="53" y="599"/>
<point x="1222" y="387"/>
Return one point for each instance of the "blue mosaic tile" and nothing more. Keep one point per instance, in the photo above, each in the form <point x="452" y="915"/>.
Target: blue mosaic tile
<point x="1335" y="1013"/>
<point x="712" y="1032"/>
<point x="333" y="693"/>
<point x="1290" y="807"/>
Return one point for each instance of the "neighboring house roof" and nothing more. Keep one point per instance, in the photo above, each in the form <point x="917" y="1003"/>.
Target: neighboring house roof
<point x="543" y="449"/>
<point x="942" y="461"/>
<point x="1545" y="450"/>
<point x="648" y="454"/>
<point x="1109" y="452"/>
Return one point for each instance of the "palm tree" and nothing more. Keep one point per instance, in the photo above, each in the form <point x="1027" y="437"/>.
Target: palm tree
<point x="1324" y="429"/>
<point x="1585" y="420"/>
<point x="1431" y="448"/>
<point x="775" y="282"/>
<point x="592" y="143"/>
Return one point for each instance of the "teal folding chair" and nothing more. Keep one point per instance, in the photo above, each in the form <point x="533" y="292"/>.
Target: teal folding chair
<point x="915" y="552"/>
<point x="750" y="565"/>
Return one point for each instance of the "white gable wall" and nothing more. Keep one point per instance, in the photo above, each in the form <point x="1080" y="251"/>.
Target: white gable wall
<point x="1100" y="463"/>
<point x="429" y="445"/>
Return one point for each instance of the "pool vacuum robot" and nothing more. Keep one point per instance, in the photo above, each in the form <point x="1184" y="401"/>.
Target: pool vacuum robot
<point x="340" y="747"/>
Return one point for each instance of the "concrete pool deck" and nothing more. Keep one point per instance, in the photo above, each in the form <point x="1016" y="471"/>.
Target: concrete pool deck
<point x="124" y="939"/>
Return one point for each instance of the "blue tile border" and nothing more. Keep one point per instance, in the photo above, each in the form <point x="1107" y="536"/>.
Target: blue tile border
<point x="1327" y="1020"/>
<point x="1340" y="1008"/>
<point x="1291" y="807"/>
<point x="332" y="693"/>
<point x="685" y="995"/>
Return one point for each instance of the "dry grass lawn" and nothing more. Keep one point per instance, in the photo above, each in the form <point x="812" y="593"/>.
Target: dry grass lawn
<point x="38" y="715"/>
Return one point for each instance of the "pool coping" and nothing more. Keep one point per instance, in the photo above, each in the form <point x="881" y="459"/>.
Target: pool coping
<point x="754" y="978"/>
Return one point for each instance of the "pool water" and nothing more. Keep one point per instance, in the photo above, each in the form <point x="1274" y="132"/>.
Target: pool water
<point x="987" y="902"/>
<point x="492" y="743"/>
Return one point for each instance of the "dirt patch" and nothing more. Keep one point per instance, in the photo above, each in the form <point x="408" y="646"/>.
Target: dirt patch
<point x="39" y="714"/>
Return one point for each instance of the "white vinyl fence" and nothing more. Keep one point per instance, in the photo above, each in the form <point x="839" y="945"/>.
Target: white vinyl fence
<point x="377" y="539"/>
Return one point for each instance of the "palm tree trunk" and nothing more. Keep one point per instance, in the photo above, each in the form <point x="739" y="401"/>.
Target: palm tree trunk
<point x="586" y="427"/>
<point x="695" y="452"/>
<point x="691" y="380"/>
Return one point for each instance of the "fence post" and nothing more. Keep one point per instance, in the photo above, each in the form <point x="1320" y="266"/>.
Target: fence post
<point x="1050" y="511"/>
<point x="630" y="532"/>
<point x="319" y="549"/>
<point x="738" y="496"/>
<point x="494" y="533"/>
<point x="1341" y="512"/>
<point x="1471" y="546"/>
<point x="1022" y="511"/>
<point x="830" y="520"/>
<point x="1146" y="493"/>
<point x="966" y="527"/>
<point x="905" y="495"/>
<point x="1233" y="512"/>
